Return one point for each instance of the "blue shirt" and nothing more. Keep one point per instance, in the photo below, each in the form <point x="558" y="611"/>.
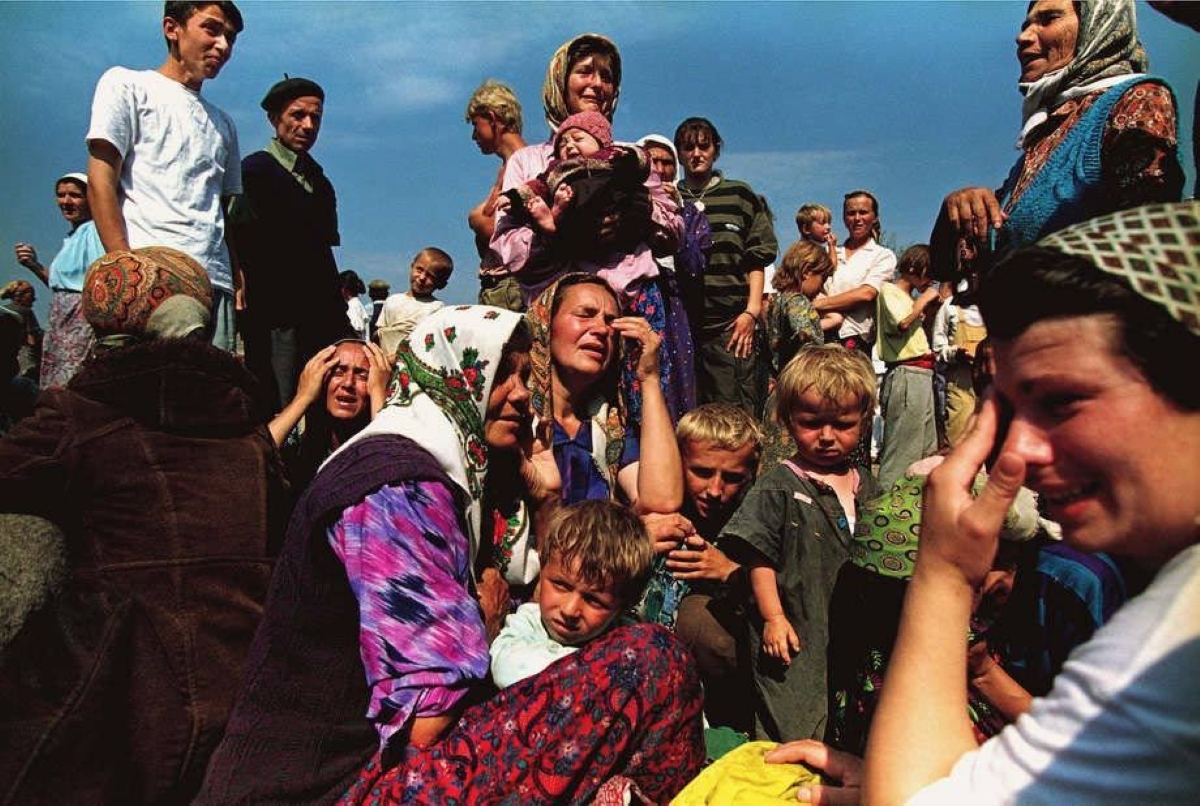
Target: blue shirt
<point x="80" y="249"/>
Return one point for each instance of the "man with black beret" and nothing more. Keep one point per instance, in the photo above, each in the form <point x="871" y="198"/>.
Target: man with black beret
<point x="285" y="228"/>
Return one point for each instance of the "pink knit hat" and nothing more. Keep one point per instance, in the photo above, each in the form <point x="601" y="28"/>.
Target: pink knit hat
<point x="591" y="122"/>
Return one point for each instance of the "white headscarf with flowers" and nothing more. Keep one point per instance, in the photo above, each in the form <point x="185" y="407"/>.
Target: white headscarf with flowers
<point x="438" y="394"/>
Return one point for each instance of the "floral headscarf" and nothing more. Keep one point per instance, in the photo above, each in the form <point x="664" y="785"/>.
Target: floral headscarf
<point x="604" y="410"/>
<point x="554" y="88"/>
<point x="1107" y="52"/>
<point x="439" y="392"/>
<point x="147" y="293"/>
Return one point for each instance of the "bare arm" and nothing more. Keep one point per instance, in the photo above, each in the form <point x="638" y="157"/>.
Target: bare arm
<point x="847" y="300"/>
<point x="779" y="638"/>
<point x="927" y="674"/>
<point x="104" y="194"/>
<point x="27" y="257"/>
<point x="991" y="680"/>
<point x="928" y="297"/>
<point x="657" y="477"/>
<point x="308" y="388"/>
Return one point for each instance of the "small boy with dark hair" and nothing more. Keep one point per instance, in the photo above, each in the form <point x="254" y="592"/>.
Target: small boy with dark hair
<point x="595" y="563"/>
<point x="906" y="394"/>
<point x="430" y="271"/>
<point x="793" y="531"/>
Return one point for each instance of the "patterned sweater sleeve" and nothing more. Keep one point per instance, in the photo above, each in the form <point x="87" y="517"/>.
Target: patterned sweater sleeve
<point x="1140" y="148"/>
<point x="422" y="638"/>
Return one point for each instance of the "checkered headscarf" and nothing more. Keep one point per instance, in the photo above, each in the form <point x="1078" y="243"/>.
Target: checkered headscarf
<point x="1156" y="249"/>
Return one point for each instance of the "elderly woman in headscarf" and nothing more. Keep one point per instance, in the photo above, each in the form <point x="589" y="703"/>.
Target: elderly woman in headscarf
<point x="585" y="75"/>
<point x="1098" y="133"/>
<point x="373" y="654"/>
<point x="155" y="464"/>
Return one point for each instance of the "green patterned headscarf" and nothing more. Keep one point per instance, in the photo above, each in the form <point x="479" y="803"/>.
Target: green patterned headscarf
<point x="888" y="531"/>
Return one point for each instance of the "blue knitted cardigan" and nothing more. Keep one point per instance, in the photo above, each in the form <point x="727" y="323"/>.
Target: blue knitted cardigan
<point x="1068" y="188"/>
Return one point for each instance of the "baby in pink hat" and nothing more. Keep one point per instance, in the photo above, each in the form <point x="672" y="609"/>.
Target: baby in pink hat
<point x="588" y="176"/>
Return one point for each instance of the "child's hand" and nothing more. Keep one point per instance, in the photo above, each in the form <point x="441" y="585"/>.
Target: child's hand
<point x="541" y="215"/>
<point x="499" y="204"/>
<point x="563" y="196"/>
<point x="667" y="531"/>
<point x="780" y="640"/>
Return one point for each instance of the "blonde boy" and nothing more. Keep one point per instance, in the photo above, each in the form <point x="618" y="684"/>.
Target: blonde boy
<point x="430" y="271"/>
<point x="815" y="223"/>
<point x="793" y="531"/>
<point x="595" y="563"/>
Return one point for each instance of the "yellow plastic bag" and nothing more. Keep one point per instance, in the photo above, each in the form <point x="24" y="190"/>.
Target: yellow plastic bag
<point x="744" y="778"/>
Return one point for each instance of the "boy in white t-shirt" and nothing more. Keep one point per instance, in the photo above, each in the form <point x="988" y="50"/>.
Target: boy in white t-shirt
<point x="163" y="158"/>
<point x="430" y="271"/>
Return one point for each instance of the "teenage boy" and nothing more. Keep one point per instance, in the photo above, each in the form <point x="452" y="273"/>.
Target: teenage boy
<point x="163" y="159"/>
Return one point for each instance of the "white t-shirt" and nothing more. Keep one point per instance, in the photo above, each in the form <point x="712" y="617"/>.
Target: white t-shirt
<point x="1122" y="723"/>
<point x="399" y="316"/>
<point x="524" y="648"/>
<point x="871" y="265"/>
<point x="358" y="315"/>
<point x="179" y="157"/>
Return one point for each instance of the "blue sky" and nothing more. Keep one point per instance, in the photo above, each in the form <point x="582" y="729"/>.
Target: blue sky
<point x="910" y="100"/>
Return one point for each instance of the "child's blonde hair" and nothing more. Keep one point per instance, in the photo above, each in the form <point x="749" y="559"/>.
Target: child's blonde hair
<point x="808" y="214"/>
<point x="497" y="99"/>
<point x="801" y="259"/>
<point x="833" y="372"/>
<point x="606" y="542"/>
<point x="723" y="426"/>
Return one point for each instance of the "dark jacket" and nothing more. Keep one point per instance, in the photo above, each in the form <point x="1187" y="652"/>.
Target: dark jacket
<point x="285" y="237"/>
<point x="169" y="491"/>
<point x="299" y="732"/>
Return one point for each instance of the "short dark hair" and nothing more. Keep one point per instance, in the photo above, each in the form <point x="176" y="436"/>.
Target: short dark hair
<point x="915" y="261"/>
<point x="182" y="10"/>
<point x="350" y="280"/>
<point x="1036" y="283"/>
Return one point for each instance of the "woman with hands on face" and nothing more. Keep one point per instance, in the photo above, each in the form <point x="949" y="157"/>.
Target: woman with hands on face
<point x="578" y="410"/>
<point x="339" y="390"/>
<point x="1091" y="328"/>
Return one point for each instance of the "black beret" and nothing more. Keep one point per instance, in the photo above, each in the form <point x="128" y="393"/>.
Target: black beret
<point x="288" y="90"/>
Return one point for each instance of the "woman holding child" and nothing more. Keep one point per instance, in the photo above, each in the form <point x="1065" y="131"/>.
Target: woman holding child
<point x="372" y="660"/>
<point x="584" y="75"/>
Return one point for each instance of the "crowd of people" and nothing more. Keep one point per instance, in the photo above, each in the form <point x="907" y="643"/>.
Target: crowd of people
<point x="262" y="543"/>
